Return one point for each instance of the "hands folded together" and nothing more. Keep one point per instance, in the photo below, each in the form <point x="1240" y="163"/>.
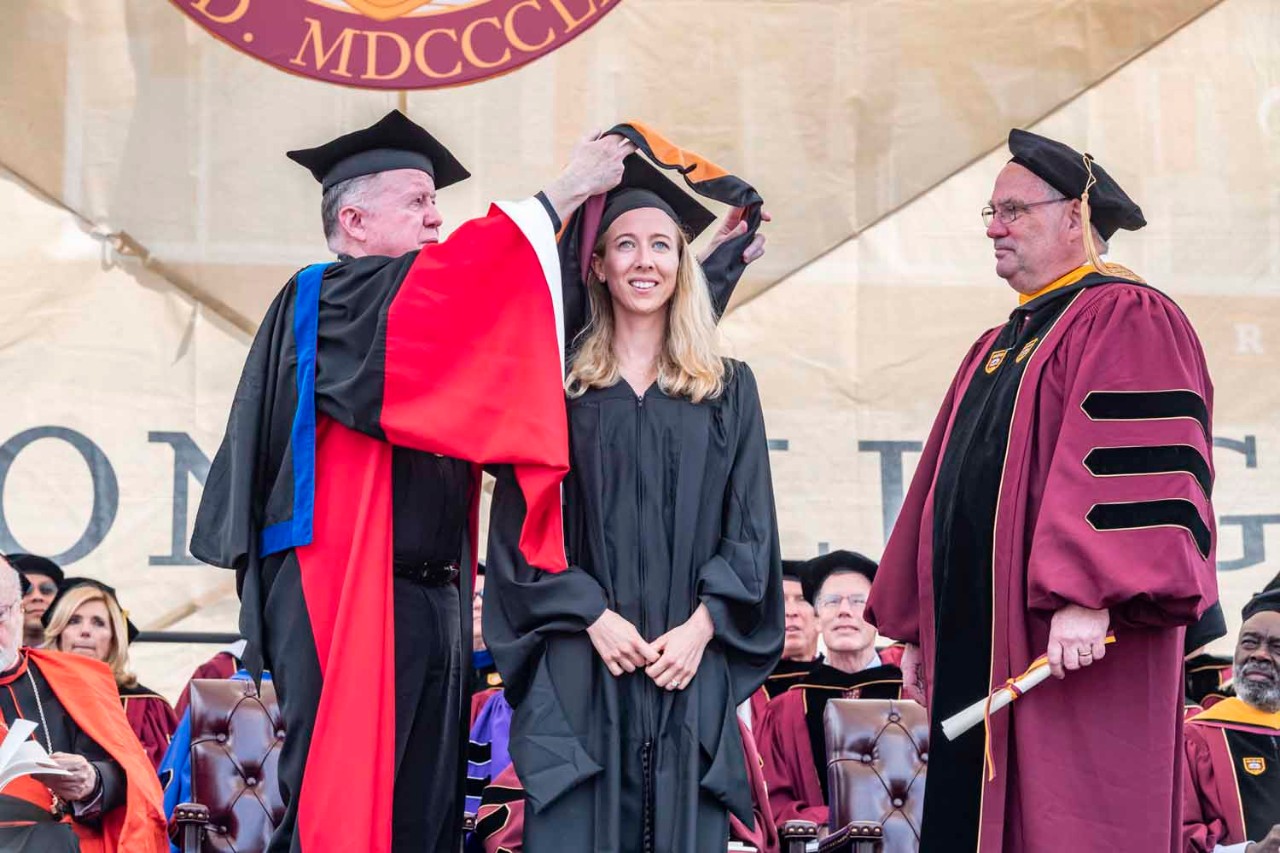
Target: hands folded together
<point x="671" y="660"/>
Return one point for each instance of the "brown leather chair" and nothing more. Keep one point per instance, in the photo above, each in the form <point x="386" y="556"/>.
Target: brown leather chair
<point x="236" y="735"/>
<point x="877" y="756"/>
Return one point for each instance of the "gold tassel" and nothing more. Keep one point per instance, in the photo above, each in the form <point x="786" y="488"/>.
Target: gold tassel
<point x="1086" y="222"/>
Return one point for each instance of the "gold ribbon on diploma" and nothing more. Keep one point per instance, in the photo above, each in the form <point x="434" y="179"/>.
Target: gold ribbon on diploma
<point x="1012" y="690"/>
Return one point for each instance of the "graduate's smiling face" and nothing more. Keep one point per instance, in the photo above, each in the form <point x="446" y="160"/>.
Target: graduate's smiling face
<point x="1257" y="661"/>
<point x="1044" y="241"/>
<point x="639" y="261"/>
<point x="88" y="631"/>
<point x="841" y="606"/>
<point x="396" y="213"/>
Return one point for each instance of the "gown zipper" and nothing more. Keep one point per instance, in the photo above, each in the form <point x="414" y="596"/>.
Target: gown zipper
<point x="647" y="767"/>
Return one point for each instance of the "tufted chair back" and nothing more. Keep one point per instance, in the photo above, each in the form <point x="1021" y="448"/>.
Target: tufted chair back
<point x="236" y="735"/>
<point x="877" y="753"/>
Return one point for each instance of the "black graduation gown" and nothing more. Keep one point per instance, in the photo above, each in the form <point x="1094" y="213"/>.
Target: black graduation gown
<point x="667" y="503"/>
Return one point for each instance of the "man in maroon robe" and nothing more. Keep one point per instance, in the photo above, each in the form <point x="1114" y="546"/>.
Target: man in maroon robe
<point x="791" y="737"/>
<point x="799" y="647"/>
<point x="1231" y="798"/>
<point x="222" y="665"/>
<point x="1063" y="494"/>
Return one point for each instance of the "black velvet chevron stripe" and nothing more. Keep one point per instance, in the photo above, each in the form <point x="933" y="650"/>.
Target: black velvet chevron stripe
<point x="1157" y="459"/>
<point x="1146" y="406"/>
<point x="502" y="794"/>
<point x="479" y="753"/>
<point x="1139" y="514"/>
<point x="476" y="785"/>
<point x="493" y="821"/>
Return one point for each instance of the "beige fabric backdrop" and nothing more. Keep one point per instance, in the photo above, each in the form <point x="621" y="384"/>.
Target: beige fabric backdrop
<point x="870" y="129"/>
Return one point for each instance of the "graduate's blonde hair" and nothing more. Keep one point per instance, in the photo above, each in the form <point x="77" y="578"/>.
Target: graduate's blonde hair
<point x="118" y="652"/>
<point x="690" y="364"/>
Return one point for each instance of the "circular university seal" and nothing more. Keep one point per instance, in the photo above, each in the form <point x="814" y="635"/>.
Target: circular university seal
<point x="396" y="44"/>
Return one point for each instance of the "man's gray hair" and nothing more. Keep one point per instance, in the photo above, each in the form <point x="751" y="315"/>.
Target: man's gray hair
<point x="349" y="192"/>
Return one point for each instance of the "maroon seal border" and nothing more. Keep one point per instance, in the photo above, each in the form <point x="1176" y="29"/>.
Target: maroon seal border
<point x="441" y="49"/>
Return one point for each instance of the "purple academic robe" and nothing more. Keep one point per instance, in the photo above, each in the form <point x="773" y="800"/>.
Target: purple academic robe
<point x="1232" y="789"/>
<point x="1070" y="464"/>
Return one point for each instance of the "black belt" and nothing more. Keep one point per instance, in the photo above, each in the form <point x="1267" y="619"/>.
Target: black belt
<point x="430" y="573"/>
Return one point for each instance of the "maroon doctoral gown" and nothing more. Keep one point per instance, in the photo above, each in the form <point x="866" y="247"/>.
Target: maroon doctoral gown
<point x="1070" y="464"/>
<point x="792" y="742"/>
<point x="152" y="719"/>
<point x="1232" y="789"/>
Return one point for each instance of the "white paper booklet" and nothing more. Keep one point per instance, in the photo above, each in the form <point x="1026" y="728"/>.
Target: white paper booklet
<point x="20" y="756"/>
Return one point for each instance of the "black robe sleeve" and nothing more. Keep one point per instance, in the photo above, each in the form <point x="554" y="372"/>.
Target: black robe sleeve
<point x="742" y="584"/>
<point x="523" y="604"/>
<point x="111" y="779"/>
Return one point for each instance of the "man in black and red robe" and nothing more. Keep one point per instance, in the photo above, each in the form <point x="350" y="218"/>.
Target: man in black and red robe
<point x="1063" y="494"/>
<point x="1231" y="798"/>
<point x="345" y="491"/>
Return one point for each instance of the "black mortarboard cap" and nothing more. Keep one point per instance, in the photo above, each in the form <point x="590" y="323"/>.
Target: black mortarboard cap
<point x="72" y="583"/>
<point x="1062" y="167"/>
<point x="644" y="185"/>
<point x="819" y="569"/>
<point x="793" y="570"/>
<point x="1211" y="625"/>
<point x="393" y="142"/>
<point x="1267" y="600"/>
<point x="25" y="563"/>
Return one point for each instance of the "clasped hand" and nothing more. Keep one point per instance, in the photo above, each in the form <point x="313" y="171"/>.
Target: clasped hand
<point x="671" y="661"/>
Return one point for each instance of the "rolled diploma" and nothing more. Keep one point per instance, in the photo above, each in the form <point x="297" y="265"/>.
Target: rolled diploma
<point x="959" y="723"/>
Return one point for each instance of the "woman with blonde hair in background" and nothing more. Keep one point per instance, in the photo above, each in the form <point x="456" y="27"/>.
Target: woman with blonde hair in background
<point x="625" y="670"/>
<point x="86" y="619"/>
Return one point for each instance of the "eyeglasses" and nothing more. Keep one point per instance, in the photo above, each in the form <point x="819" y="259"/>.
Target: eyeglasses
<point x="831" y="601"/>
<point x="1010" y="211"/>
<point x="45" y="589"/>
<point x="7" y="610"/>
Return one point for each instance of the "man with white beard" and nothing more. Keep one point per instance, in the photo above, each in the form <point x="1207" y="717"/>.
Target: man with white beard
<point x="1231" y="793"/>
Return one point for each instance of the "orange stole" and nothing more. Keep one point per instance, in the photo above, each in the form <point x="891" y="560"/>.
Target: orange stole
<point x="87" y="690"/>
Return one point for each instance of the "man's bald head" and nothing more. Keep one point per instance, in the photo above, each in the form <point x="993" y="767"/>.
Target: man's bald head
<point x="10" y="613"/>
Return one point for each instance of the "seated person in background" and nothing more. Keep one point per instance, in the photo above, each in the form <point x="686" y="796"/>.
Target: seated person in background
<point x="1206" y="677"/>
<point x="500" y="817"/>
<point x="86" y="619"/>
<point x="110" y="799"/>
<point x="44" y="577"/>
<point x="223" y="665"/>
<point x="1231" y="786"/>
<point x="487" y="754"/>
<point x="791" y="738"/>
<point x="799" y="647"/>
